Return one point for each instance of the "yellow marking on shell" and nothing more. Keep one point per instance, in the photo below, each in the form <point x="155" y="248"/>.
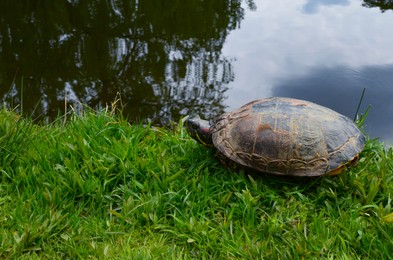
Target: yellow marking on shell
<point x="346" y="165"/>
<point x="336" y="171"/>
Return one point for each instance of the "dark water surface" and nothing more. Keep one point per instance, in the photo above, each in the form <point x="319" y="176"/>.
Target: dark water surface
<point x="170" y="58"/>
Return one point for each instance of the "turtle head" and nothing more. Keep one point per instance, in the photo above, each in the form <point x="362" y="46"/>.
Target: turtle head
<point x="199" y="129"/>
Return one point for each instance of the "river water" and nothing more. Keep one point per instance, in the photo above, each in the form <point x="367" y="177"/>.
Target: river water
<point x="166" y="59"/>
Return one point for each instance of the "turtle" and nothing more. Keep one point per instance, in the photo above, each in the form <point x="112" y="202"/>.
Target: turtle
<point x="282" y="136"/>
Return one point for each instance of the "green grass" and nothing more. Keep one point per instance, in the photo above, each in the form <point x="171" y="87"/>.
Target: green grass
<point x="97" y="187"/>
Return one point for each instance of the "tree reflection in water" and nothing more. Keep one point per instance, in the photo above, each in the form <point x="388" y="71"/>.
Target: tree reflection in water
<point x="383" y="5"/>
<point x="163" y="57"/>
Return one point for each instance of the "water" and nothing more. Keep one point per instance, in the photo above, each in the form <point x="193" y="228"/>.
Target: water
<point x="165" y="59"/>
<point x="322" y="51"/>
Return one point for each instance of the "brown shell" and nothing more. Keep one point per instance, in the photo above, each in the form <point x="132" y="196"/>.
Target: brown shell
<point x="288" y="137"/>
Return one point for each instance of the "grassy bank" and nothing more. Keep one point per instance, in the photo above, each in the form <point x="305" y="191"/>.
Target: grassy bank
<point x="96" y="187"/>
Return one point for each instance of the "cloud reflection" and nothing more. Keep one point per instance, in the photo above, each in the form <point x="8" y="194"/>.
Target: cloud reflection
<point x="328" y="57"/>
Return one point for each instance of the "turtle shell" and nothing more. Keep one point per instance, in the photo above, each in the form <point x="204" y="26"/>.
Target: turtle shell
<point x="288" y="137"/>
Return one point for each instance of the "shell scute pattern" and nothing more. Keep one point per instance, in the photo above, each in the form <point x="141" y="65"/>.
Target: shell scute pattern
<point x="287" y="136"/>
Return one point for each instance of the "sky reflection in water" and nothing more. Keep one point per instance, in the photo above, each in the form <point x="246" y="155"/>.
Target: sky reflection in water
<point x="322" y="51"/>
